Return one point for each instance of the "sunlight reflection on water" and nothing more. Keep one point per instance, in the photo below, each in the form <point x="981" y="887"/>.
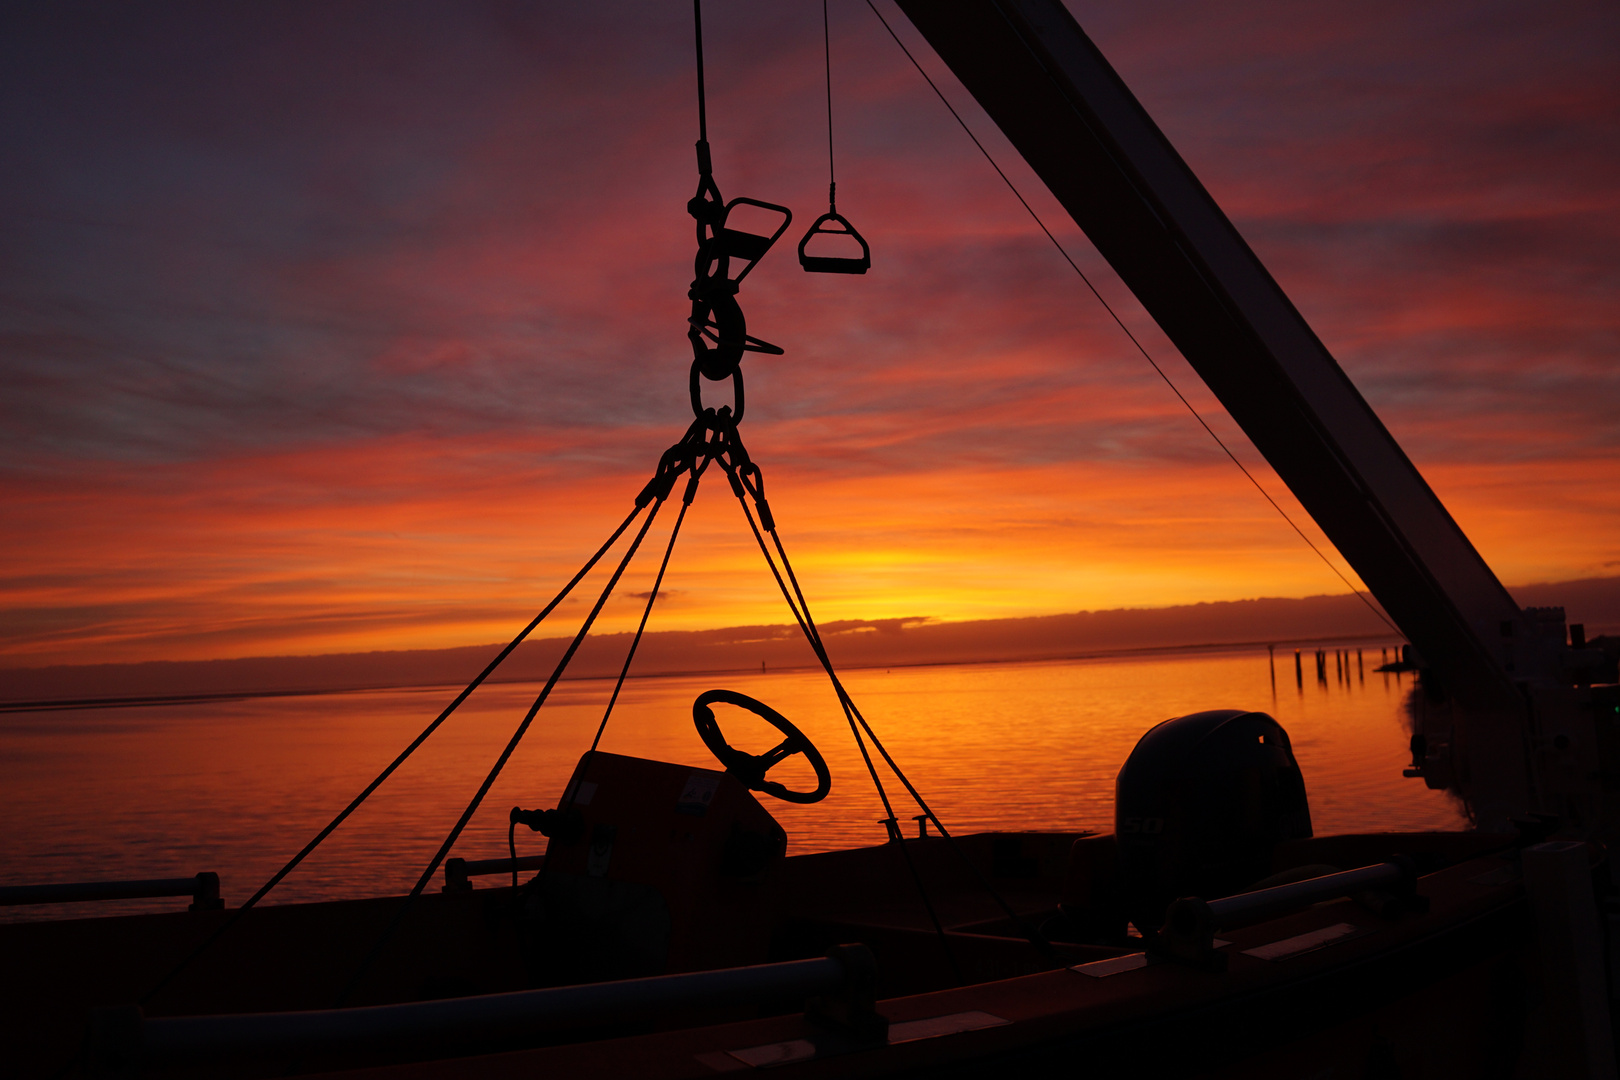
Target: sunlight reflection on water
<point x="238" y="786"/>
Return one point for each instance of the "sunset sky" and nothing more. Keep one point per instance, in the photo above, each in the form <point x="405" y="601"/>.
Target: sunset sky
<point x="358" y="326"/>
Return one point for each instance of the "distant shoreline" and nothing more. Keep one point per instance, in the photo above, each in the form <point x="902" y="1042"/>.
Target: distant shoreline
<point x="1309" y="622"/>
<point x="67" y="705"/>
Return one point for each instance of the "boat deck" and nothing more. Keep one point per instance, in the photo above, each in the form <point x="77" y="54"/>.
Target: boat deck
<point x="994" y="995"/>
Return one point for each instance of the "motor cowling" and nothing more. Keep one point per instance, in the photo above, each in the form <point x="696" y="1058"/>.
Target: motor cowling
<point x="1200" y="804"/>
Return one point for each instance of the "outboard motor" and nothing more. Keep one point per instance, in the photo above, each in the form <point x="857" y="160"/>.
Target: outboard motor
<point x="1200" y="804"/>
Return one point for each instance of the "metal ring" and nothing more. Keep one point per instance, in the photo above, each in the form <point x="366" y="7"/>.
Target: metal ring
<point x="696" y="388"/>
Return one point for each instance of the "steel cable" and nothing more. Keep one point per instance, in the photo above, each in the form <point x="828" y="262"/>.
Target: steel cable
<point x="1127" y="330"/>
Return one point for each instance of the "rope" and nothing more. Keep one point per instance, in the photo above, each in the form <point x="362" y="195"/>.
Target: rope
<point x="398" y="761"/>
<point x="506" y="754"/>
<point x="826" y="40"/>
<point x="703" y="107"/>
<point x="658" y="582"/>
<point x="630" y="655"/>
<point x="1121" y="324"/>
<point x="813" y="636"/>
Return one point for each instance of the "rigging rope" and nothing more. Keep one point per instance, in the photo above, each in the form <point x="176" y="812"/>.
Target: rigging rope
<point x="703" y="106"/>
<point x="506" y="753"/>
<point x="749" y="479"/>
<point x="826" y="43"/>
<point x="1127" y="330"/>
<point x="630" y="655"/>
<point x="1034" y="936"/>
<point x="892" y="821"/>
<point x="642" y="499"/>
<point x="690" y="455"/>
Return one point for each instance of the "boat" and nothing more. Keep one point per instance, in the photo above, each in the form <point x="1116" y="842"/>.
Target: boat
<point x="666" y="933"/>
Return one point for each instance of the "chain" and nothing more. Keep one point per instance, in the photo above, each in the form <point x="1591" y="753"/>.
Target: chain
<point x="716" y="327"/>
<point x="712" y="437"/>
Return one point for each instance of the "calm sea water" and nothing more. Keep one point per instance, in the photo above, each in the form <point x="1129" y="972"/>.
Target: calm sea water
<point x="238" y="786"/>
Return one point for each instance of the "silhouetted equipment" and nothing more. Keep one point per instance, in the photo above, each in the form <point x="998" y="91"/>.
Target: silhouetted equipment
<point x="203" y="889"/>
<point x="823" y="226"/>
<point x="1199" y="806"/>
<point x="716" y="327"/>
<point x="124" y="1036"/>
<point x="751" y="768"/>
<point x="1386" y="889"/>
<point x="828" y="264"/>
<point x="667" y="874"/>
<point x="560" y="823"/>
<point x="458" y="872"/>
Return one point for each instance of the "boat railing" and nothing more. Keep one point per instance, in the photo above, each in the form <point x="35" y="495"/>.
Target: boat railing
<point x="203" y="889"/>
<point x="1188" y="934"/>
<point x="459" y="872"/>
<point x="839" y="985"/>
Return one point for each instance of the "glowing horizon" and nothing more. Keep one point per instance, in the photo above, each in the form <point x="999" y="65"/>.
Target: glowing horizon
<point x="374" y="358"/>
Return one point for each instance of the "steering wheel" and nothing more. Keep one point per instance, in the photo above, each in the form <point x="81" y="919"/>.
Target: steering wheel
<point x="751" y="768"/>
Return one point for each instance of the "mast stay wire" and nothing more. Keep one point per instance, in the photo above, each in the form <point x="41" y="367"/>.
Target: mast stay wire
<point x="1127" y="330"/>
<point x="506" y="753"/>
<point x="393" y="766"/>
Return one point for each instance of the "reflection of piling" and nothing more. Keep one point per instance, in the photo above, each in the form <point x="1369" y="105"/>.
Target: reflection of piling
<point x="1321" y="667"/>
<point x="1299" y="671"/>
